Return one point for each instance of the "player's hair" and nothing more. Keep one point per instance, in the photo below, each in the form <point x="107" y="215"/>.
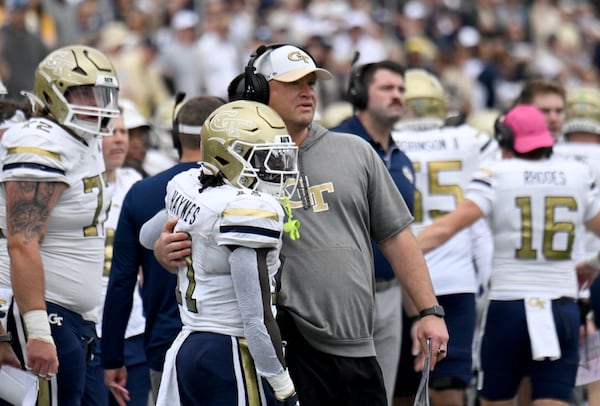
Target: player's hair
<point x="362" y="76"/>
<point x="536" y="86"/>
<point x="208" y="181"/>
<point x="536" y="154"/>
<point x="193" y="113"/>
<point x="8" y="108"/>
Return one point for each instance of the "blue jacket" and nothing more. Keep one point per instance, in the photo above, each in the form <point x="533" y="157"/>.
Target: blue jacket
<point x="143" y="200"/>
<point x="402" y="172"/>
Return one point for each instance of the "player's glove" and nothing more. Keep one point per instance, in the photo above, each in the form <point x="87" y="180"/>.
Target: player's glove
<point x="291" y="400"/>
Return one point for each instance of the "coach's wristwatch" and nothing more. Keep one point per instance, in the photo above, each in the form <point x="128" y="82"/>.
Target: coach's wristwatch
<point x="436" y="310"/>
<point x="6" y="338"/>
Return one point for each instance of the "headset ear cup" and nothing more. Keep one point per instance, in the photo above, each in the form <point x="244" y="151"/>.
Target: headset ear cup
<point x="256" y="87"/>
<point x="357" y="93"/>
<point x="353" y="95"/>
<point x="503" y="134"/>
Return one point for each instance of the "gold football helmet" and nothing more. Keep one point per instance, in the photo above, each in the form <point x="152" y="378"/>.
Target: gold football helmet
<point x="78" y="86"/>
<point x="425" y="101"/>
<point x="582" y="111"/>
<point x="249" y="144"/>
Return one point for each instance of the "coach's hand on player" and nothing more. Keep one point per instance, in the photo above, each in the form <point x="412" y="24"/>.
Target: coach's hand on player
<point x="171" y="248"/>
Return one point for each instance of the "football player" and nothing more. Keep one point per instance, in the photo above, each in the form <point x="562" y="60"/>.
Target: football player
<point x="581" y="133"/>
<point x="54" y="203"/>
<point x="444" y="158"/>
<point x="548" y="95"/>
<point x="231" y="211"/>
<point x="120" y="179"/>
<point x="538" y="207"/>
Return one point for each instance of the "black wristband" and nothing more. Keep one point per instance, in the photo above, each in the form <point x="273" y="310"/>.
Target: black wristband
<point x="6" y="338"/>
<point x="436" y="310"/>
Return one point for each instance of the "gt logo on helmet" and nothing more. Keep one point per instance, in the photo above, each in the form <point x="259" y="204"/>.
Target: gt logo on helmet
<point x="229" y="123"/>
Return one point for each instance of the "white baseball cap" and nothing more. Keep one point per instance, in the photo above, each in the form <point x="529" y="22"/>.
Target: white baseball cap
<point x="132" y="118"/>
<point x="288" y="64"/>
<point x="184" y="19"/>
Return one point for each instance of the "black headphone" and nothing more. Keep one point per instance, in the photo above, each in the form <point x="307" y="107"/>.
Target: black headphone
<point x="175" y="120"/>
<point x="236" y="88"/>
<point x="503" y="133"/>
<point x="358" y="93"/>
<point x="256" y="85"/>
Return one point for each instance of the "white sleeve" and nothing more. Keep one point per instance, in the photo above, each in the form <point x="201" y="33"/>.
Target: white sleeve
<point x="152" y="228"/>
<point x="482" y="242"/>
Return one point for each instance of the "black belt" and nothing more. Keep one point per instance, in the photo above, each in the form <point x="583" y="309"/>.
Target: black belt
<point x="385" y="284"/>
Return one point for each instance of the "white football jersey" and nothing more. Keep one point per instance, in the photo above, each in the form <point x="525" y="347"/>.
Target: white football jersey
<point x="537" y="211"/>
<point x="72" y="252"/>
<point x="126" y="177"/>
<point x="215" y="219"/>
<point x="444" y="160"/>
<point x="589" y="154"/>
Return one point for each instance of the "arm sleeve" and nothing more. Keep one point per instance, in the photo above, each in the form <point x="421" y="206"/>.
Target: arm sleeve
<point x="252" y="287"/>
<point x="152" y="228"/>
<point x="264" y="341"/>
<point x="482" y="242"/>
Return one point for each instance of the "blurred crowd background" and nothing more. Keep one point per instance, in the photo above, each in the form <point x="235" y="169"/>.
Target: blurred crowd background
<point x="482" y="50"/>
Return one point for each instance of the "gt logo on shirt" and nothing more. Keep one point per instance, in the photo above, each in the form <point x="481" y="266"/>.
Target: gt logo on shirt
<point x="54" y="318"/>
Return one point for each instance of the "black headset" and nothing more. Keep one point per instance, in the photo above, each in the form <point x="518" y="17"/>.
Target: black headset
<point x="175" y="122"/>
<point x="503" y="133"/>
<point x="358" y="93"/>
<point x="256" y="85"/>
<point x="236" y="88"/>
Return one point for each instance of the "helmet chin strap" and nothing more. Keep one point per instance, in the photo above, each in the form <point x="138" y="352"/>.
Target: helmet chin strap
<point x="34" y="101"/>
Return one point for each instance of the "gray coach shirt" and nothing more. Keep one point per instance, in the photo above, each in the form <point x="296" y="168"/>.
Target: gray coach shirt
<point x="327" y="278"/>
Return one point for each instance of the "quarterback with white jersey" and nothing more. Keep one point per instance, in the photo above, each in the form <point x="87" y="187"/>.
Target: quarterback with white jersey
<point x="230" y="209"/>
<point x="40" y="150"/>
<point x="444" y="159"/>
<point x="54" y="201"/>
<point x="538" y="207"/>
<point x="581" y="135"/>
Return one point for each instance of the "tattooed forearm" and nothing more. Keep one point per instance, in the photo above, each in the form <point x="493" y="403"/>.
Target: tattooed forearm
<point x="29" y="205"/>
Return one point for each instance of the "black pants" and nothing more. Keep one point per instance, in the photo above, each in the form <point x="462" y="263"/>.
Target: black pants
<point x="330" y="380"/>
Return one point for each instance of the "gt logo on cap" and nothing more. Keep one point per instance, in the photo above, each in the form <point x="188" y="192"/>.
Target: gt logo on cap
<point x="297" y="56"/>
